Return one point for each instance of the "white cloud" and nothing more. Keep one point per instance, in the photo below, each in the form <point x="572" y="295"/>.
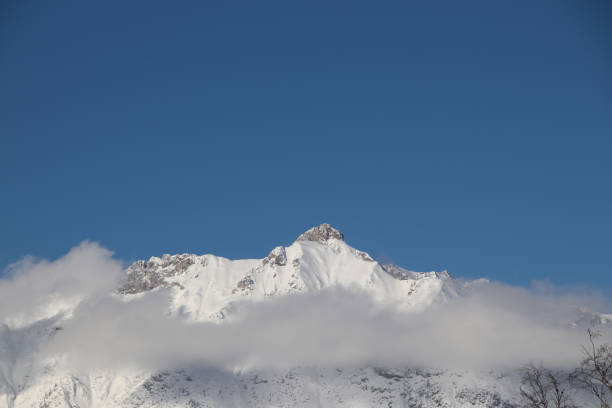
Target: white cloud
<point x="40" y="289"/>
<point x="497" y="327"/>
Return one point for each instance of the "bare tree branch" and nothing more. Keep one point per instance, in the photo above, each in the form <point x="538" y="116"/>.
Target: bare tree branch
<point x="543" y="388"/>
<point x="594" y="373"/>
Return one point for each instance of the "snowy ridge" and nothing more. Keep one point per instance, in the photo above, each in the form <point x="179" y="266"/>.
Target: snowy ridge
<point x="206" y="286"/>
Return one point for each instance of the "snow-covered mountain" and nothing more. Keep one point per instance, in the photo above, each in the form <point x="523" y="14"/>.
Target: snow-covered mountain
<point x="208" y="288"/>
<point x="205" y="287"/>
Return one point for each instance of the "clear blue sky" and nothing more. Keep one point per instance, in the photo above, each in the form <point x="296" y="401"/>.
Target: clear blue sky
<point x="472" y="136"/>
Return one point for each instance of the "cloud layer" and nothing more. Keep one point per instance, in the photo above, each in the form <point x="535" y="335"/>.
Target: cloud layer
<point x="497" y="327"/>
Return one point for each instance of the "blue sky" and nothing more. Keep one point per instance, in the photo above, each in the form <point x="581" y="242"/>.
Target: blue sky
<point x="468" y="136"/>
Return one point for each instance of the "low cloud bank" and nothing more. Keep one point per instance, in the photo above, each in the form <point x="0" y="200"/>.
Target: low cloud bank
<point x="498" y="326"/>
<point x="35" y="289"/>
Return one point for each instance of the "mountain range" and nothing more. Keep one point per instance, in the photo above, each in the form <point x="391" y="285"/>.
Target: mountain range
<point x="212" y="290"/>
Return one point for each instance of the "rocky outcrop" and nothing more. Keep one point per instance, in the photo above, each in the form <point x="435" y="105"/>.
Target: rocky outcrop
<point x="244" y="284"/>
<point x="278" y="257"/>
<point x="143" y="276"/>
<point x="321" y="234"/>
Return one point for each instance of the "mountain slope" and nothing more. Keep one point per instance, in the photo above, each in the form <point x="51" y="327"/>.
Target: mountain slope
<point x="206" y="286"/>
<point x="208" y="289"/>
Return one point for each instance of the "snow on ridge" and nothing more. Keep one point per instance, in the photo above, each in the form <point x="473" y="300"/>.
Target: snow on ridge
<point x="205" y="287"/>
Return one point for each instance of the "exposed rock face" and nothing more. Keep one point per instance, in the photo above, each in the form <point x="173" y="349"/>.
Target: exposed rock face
<point x="146" y="275"/>
<point x="278" y="257"/>
<point x="322" y="234"/>
<point x="244" y="284"/>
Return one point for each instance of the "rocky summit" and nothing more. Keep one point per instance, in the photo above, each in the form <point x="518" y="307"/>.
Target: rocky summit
<point x="321" y="234"/>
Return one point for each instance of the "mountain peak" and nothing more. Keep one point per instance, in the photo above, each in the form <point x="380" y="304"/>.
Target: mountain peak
<point x="322" y="234"/>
